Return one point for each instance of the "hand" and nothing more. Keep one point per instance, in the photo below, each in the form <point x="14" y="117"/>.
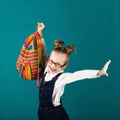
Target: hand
<point x="41" y="25"/>
<point x="40" y="28"/>
<point x="103" y="71"/>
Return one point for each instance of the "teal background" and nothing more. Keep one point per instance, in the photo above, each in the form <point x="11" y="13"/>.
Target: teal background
<point x="93" y="26"/>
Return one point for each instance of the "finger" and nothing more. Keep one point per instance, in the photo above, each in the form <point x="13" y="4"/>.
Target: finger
<point x="108" y="62"/>
<point x="106" y="65"/>
<point x="106" y="74"/>
<point x="43" y="25"/>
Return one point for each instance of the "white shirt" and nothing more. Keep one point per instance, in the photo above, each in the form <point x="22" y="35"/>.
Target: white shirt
<point x="66" y="78"/>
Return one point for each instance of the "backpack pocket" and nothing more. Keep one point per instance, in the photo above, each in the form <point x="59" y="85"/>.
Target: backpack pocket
<point x="25" y="71"/>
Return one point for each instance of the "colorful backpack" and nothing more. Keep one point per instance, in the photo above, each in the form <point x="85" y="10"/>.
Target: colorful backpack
<point x="31" y="61"/>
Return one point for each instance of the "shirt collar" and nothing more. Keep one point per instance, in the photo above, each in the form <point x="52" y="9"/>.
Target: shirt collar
<point x="50" y="75"/>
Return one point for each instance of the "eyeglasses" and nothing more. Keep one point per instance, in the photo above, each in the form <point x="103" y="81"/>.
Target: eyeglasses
<point x="56" y="64"/>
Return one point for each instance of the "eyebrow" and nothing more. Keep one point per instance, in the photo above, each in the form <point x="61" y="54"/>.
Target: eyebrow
<point x="55" y="62"/>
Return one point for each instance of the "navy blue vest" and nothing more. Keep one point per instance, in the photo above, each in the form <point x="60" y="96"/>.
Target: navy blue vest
<point x="46" y="91"/>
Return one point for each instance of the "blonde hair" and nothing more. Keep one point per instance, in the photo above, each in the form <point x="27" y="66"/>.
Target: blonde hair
<point x="58" y="47"/>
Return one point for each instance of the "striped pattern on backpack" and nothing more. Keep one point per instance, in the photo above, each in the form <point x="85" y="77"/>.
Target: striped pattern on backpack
<point x="31" y="61"/>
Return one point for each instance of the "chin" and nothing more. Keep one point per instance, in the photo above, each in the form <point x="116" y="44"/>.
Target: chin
<point x="52" y="71"/>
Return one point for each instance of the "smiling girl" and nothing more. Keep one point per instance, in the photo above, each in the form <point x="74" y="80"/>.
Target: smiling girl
<point x="54" y="80"/>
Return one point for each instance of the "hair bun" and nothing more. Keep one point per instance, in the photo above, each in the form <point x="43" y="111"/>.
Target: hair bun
<point x="58" y="44"/>
<point x="70" y="49"/>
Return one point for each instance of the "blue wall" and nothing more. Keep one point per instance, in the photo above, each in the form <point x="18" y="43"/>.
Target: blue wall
<point x="92" y="26"/>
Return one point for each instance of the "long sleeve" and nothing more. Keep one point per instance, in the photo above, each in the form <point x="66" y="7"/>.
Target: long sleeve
<point x="79" y="75"/>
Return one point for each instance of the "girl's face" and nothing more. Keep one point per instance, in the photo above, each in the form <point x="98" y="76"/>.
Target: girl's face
<point x="57" y="62"/>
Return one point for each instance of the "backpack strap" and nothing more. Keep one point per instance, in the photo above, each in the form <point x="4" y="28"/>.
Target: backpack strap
<point x="39" y="46"/>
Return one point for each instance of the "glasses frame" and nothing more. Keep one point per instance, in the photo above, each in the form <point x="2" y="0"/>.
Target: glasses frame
<point x="56" y="64"/>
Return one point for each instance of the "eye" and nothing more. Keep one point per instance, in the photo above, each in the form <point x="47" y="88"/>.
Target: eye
<point x="58" y="65"/>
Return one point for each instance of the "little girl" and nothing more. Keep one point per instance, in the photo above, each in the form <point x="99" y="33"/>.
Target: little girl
<point x="54" y="80"/>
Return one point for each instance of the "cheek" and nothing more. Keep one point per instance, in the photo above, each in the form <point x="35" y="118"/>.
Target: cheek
<point x="48" y="65"/>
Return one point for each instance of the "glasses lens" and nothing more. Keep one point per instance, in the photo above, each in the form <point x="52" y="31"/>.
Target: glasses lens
<point x="56" y="64"/>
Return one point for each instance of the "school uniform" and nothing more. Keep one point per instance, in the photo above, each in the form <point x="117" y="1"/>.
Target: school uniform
<point x="51" y="90"/>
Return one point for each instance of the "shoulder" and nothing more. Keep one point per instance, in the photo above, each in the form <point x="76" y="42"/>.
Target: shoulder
<point x="61" y="79"/>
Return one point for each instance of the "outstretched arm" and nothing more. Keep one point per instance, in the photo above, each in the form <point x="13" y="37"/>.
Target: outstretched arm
<point x="85" y="74"/>
<point x="103" y="71"/>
